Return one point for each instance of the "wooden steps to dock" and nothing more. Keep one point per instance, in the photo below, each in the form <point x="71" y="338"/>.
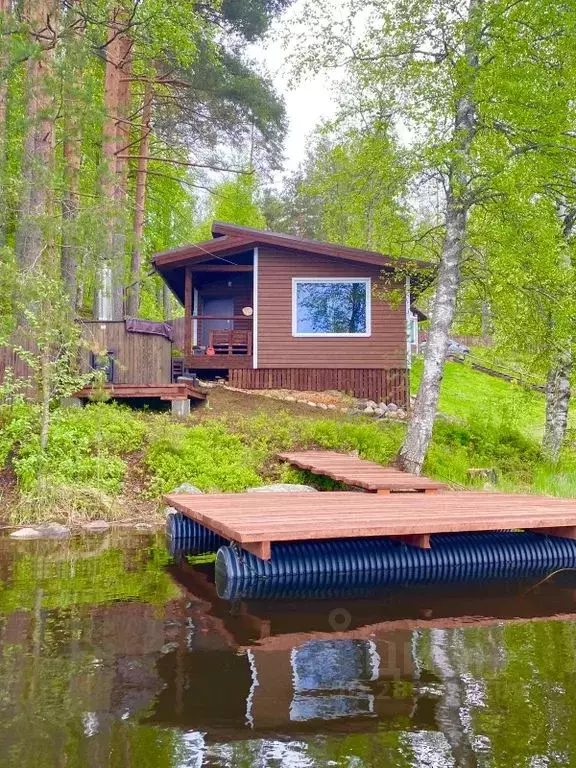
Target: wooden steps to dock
<point x="257" y="520"/>
<point x="359" y="473"/>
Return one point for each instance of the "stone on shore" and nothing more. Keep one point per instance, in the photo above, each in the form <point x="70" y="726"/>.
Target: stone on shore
<point x="282" y="488"/>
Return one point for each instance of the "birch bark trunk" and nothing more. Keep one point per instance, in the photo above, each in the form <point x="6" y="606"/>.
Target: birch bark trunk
<point x="557" y="404"/>
<point x="38" y="160"/>
<point x="133" y="304"/>
<point x="419" y="434"/>
<point x="558" y="390"/>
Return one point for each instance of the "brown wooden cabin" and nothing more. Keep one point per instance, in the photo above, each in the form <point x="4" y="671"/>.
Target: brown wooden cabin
<point x="275" y="311"/>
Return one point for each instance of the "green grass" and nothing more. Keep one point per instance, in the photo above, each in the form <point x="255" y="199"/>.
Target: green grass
<point x="471" y="395"/>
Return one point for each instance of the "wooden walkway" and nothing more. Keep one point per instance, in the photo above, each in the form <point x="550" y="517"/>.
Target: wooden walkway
<point x="359" y="473"/>
<point x="257" y="520"/>
<point x="179" y="391"/>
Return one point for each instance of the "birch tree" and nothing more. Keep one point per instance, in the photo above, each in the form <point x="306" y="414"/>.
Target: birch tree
<point x="469" y="85"/>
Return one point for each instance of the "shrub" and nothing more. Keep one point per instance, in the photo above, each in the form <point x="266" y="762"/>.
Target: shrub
<point x="208" y="456"/>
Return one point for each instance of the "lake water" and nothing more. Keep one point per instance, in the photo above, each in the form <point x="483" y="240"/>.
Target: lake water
<point x="114" y="655"/>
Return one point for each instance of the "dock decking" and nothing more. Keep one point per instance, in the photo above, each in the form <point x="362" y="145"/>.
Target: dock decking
<point x="257" y="520"/>
<point x="359" y="473"/>
<point x="179" y="391"/>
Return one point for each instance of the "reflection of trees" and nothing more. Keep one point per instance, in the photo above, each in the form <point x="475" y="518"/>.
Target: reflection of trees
<point x="332" y="307"/>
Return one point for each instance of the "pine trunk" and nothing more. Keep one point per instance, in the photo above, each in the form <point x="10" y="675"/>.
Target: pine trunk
<point x="557" y="404"/>
<point x="419" y="434"/>
<point x="38" y="159"/>
<point x="72" y="158"/>
<point x="5" y="13"/>
<point x="114" y="173"/>
<point x="140" y="204"/>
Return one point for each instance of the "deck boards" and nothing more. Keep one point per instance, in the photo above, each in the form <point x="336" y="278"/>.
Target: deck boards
<point x="256" y="520"/>
<point x="179" y="391"/>
<point x="360" y="473"/>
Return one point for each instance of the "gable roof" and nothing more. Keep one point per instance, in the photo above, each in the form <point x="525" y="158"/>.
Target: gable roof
<point x="230" y="238"/>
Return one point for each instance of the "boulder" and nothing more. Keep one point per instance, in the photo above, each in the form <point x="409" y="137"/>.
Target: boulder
<point x="382" y="407"/>
<point x="392" y="407"/>
<point x="370" y="410"/>
<point x="96" y="526"/>
<point x="282" y="488"/>
<point x="186" y="488"/>
<point x="401" y="413"/>
<point x="53" y="530"/>
<point x="26" y="533"/>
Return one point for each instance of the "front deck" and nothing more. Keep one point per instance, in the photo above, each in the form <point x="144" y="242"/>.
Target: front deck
<point x="171" y="392"/>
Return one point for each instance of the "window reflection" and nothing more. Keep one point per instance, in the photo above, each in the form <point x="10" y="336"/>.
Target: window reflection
<point x="331" y="307"/>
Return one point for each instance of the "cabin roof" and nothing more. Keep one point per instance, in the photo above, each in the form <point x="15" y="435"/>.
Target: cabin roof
<point x="228" y="239"/>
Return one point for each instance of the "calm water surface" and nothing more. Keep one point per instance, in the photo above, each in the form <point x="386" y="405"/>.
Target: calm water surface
<point x="112" y="654"/>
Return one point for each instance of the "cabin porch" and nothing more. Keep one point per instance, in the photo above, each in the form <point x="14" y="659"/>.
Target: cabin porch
<point x="216" y="332"/>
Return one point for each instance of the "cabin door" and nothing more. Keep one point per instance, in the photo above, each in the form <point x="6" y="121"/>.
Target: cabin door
<point x="222" y="308"/>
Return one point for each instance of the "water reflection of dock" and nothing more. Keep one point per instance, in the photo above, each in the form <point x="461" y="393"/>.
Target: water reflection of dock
<point x="292" y="672"/>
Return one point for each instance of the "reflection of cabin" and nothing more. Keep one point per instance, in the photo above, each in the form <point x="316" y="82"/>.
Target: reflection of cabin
<point x="272" y="310"/>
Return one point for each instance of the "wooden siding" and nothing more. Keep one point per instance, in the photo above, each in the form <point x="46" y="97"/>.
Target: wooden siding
<point x="140" y="358"/>
<point x="277" y="348"/>
<point x="389" y="385"/>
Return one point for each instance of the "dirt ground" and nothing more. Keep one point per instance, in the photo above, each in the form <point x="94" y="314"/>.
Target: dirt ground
<point x="222" y="401"/>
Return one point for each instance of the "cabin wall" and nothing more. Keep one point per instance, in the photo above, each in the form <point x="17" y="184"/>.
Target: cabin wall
<point x="277" y="348"/>
<point x="140" y="358"/>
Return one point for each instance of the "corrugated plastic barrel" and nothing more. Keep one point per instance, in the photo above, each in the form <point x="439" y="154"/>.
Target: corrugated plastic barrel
<point x="186" y="536"/>
<point x="314" y="566"/>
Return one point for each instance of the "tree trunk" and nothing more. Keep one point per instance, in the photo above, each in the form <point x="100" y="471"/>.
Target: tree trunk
<point x="113" y="186"/>
<point x="45" y="394"/>
<point x="557" y="403"/>
<point x="167" y="302"/>
<point x="140" y="204"/>
<point x="72" y="157"/>
<point x="419" y="434"/>
<point x="558" y="383"/>
<point x="5" y="13"/>
<point x="38" y="160"/>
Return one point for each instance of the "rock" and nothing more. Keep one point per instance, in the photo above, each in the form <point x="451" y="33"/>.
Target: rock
<point x="401" y="413"/>
<point x="392" y="415"/>
<point x="332" y="407"/>
<point x="282" y="488"/>
<point x="392" y="407"/>
<point x="290" y="399"/>
<point x="311" y="404"/>
<point x="380" y="411"/>
<point x="323" y="406"/>
<point x="96" y="526"/>
<point x="382" y="407"/>
<point x="53" y="530"/>
<point x="370" y="410"/>
<point x="186" y="488"/>
<point x="26" y="533"/>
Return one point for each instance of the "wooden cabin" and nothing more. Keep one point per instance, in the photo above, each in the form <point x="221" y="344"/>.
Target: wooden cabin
<point x="270" y="310"/>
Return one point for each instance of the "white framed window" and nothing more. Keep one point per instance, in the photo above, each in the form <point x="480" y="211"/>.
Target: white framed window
<point x="331" y="306"/>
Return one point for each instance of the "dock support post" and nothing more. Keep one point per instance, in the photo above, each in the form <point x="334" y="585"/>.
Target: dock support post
<point x="180" y="408"/>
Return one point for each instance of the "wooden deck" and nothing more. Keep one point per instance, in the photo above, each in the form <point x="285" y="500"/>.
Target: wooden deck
<point x="257" y="520"/>
<point x="180" y="391"/>
<point x="360" y="473"/>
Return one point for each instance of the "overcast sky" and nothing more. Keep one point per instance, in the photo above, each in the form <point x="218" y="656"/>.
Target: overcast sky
<point x="307" y="103"/>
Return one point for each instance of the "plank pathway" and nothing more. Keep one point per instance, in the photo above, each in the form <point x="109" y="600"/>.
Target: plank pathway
<point x="360" y="473"/>
<point x="179" y="391"/>
<point x="256" y="520"/>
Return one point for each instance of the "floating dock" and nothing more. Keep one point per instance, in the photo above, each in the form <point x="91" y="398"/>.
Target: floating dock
<point x="256" y="521"/>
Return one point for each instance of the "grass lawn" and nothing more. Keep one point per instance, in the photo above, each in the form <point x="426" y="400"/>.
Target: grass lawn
<point x="471" y="395"/>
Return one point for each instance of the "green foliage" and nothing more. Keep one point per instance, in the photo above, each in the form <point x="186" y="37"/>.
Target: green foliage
<point x="85" y="447"/>
<point x="207" y="456"/>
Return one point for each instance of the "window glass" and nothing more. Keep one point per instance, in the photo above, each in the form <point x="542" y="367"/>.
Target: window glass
<point x="331" y="307"/>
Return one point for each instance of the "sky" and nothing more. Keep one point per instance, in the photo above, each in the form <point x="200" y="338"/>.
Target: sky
<point x="308" y="102"/>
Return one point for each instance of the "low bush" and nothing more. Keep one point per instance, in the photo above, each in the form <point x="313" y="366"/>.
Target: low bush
<point x="208" y="456"/>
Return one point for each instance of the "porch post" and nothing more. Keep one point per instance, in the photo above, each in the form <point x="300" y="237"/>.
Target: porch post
<point x="188" y="307"/>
